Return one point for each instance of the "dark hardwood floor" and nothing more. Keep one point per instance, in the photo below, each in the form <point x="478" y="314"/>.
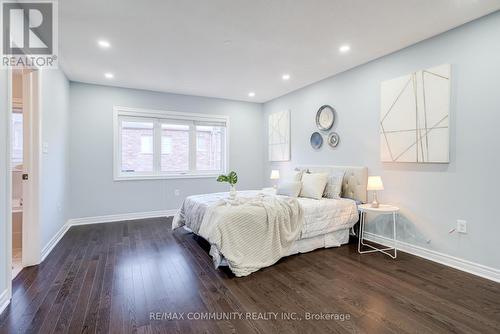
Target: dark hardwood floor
<point x="110" y="278"/>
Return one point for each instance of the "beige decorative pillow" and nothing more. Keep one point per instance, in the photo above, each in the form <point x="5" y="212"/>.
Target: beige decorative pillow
<point x="333" y="187"/>
<point x="289" y="188"/>
<point x="313" y="185"/>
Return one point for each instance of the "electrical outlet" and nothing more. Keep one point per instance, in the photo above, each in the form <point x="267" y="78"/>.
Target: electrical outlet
<point x="177" y="192"/>
<point x="461" y="226"/>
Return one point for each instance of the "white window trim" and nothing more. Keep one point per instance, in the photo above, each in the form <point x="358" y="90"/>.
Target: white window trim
<point x="137" y="114"/>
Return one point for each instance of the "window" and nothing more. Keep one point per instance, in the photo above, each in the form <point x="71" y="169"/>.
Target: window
<point x="146" y="144"/>
<point x="135" y="136"/>
<point x="17" y="139"/>
<point x="155" y="144"/>
<point x="174" y="147"/>
<point x="208" y="147"/>
<point x="166" y="145"/>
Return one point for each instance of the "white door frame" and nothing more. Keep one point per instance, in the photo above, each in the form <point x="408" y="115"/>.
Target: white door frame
<point x="8" y="169"/>
<point x="31" y="253"/>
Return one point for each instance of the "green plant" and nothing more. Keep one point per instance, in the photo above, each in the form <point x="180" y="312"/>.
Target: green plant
<point x="231" y="178"/>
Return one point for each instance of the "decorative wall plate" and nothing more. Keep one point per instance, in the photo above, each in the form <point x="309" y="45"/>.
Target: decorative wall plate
<point x="333" y="139"/>
<point x="325" y="117"/>
<point x="316" y="140"/>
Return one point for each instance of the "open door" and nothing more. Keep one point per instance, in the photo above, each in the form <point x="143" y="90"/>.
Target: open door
<point x="28" y="202"/>
<point x="31" y="168"/>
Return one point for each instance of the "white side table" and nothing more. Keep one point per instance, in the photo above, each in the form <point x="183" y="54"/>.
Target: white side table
<point x="383" y="210"/>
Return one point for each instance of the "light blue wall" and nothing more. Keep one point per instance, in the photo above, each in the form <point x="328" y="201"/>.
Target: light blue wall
<point x="4" y="109"/>
<point x="432" y="197"/>
<point x="54" y="181"/>
<point x="93" y="191"/>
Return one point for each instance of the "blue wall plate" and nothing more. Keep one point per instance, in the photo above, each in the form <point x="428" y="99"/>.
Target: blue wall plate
<point x="316" y="140"/>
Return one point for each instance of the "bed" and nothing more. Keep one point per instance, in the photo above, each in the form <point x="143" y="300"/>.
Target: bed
<point x="257" y="228"/>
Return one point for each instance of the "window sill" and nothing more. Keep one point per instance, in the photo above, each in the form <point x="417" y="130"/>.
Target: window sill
<point x="165" y="177"/>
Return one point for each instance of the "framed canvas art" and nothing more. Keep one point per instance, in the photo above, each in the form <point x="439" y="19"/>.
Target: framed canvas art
<point x="414" y="117"/>
<point x="279" y="136"/>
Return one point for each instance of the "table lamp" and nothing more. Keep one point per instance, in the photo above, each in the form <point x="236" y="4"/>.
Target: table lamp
<point x="374" y="184"/>
<point x="275" y="175"/>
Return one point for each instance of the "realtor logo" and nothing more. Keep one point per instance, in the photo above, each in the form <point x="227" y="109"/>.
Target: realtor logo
<point x="29" y="33"/>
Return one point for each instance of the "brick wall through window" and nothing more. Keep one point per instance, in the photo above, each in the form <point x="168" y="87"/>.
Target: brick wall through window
<point x="137" y="146"/>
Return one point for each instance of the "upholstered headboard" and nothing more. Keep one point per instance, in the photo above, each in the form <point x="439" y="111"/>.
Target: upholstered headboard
<point x="355" y="179"/>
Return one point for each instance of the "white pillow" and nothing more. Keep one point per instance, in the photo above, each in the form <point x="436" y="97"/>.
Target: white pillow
<point x="313" y="185"/>
<point x="290" y="188"/>
<point x="294" y="176"/>
<point x="333" y="187"/>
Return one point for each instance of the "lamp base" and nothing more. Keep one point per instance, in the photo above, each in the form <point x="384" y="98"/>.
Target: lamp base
<point x="375" y="201"/>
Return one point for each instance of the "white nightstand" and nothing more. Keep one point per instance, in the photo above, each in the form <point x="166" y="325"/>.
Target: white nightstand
<point x="383" y="210"/>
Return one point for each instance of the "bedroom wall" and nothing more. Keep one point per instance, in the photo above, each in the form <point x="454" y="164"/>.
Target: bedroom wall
<point x="93" y="191"/>
<point x="54" y="181"/>
<point x="432" y="196"/>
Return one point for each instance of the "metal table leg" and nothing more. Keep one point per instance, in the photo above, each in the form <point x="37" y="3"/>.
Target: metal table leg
<point x="373" y="248"/>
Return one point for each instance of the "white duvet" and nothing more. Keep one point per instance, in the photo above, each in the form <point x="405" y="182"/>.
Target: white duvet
<point x="327" y="215"/>
<point x="257" y="229"/>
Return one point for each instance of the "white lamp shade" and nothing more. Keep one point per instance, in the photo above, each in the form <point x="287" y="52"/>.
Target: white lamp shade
<point x="275" y="174"/>
<point x="375" y="183"/>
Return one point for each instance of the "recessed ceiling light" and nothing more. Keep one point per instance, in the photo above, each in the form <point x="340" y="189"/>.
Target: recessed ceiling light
<point x="251" y="94"/>
<point x="344" y="48"/>
<point x="285" y="76"/>
<point x="109" y="75"/>
<point x="103" y="44"/>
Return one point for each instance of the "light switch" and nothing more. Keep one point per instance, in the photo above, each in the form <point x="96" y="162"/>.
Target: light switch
<point x="45" y="148"/>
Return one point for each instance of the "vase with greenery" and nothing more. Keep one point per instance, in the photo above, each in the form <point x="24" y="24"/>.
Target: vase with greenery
<point x="232" y="179"/>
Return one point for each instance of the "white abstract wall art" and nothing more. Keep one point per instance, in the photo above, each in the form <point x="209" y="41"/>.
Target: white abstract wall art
<point x="279" y="136"/>
<point x="414" y="119"/>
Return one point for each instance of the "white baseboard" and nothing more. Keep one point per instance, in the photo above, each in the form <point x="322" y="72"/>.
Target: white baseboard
<point x="448" y="260"/>
<point x="4" y="300"/>
<point x="121" y="217"/>
<point x="99" y="220"/>
<point x="53" y="242"/>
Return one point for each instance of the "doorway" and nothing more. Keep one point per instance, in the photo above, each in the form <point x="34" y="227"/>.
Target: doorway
<point x="24" y="163"/>
<point x="16" y="163"/>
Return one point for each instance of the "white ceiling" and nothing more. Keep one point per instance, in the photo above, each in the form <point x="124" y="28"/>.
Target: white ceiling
<point x="181" y="46"/>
